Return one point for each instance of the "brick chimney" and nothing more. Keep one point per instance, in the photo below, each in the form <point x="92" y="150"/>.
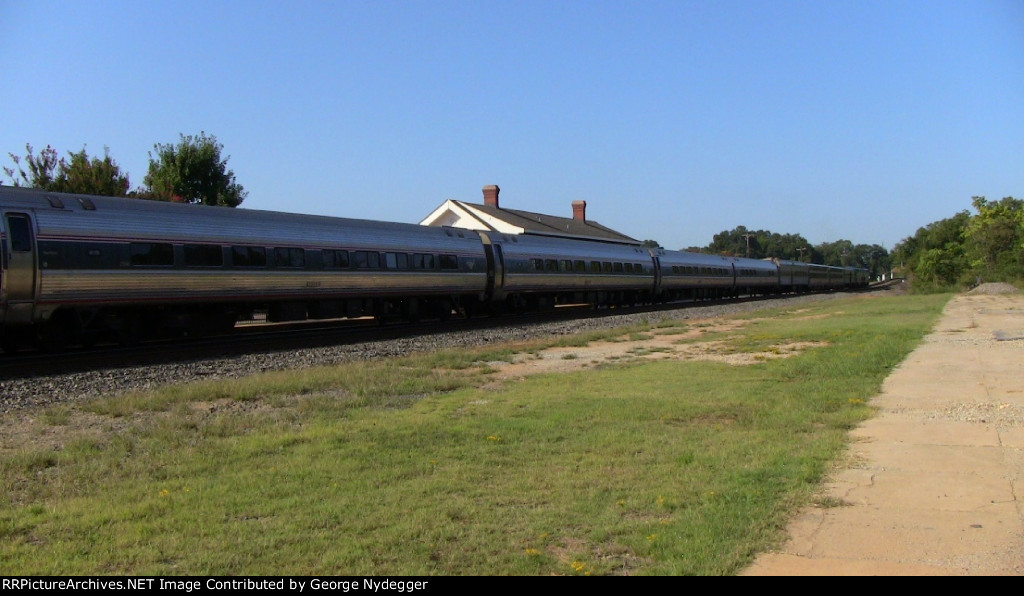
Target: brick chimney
<point x="491" y="195"/>
<point x="579" y="210"/>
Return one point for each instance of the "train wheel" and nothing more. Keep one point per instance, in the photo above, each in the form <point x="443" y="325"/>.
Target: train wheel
<point x="131" y="330"/>
<point x="444" y="309"/>
<point x="57" y="333"/>
<point x="52" y="337"/>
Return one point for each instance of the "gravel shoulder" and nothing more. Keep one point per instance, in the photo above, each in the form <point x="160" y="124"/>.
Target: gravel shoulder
<point x="19" y="394"/>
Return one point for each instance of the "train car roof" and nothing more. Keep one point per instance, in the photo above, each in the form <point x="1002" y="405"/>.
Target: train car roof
<point x="131" y="218"/>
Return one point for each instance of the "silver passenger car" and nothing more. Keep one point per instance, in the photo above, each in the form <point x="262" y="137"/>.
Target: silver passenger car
<point x="756" y="276"/>
<point x="794" y="276"/>
<point x="683" y="274"/>
<point x="88" y="264"/>
<point x="545" y="271"/>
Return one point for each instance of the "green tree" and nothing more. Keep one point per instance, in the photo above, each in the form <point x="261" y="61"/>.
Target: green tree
<point x="81" y="174"/>
<point x="91" y="176"/>
<point x="837" y="254"/>
<point x="935" y="255"/>
<point x="941" y="266"/>
<point x="192" y="172"/>
<point x="994" y="238"/>
<point x="738" y="242"/>
<point x="41" y="168"/>
<point x="762" y="244"/>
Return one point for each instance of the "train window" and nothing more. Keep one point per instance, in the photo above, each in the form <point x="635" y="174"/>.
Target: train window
<point x="151" y="254"/>
<point x="537" y="264"/>
<point x="248" y="256"/>
<point x="550" y="265"/>
<point x="450" y="262"/>
<point x="363" y="259"/>
<point x="203" y="255"/>
<point x="595" y="266"/>
<point x="580" y="266"/>
<point x="424" y="261"/>
<point x="291" y="257"/>
<point x="606" y="267"/>
<point x="565" y="265"/>
<point x="396" y="260"/>
<point x="638" y="268"/>
<point x="335" y="259"/>
<point x="617" y="267"/>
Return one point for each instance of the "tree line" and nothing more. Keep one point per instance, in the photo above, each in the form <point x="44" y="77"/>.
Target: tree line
<point x="951" y="254"/>
<point x="190" y="171"/>
<point x="965" y="250"/>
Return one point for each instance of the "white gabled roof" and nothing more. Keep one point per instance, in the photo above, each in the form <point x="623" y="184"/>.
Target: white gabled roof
<point x="464" y="215"/>
<point x="471" y="216"/>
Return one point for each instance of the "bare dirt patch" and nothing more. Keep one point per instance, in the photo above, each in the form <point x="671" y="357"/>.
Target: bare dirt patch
<point x="667" y="344"/>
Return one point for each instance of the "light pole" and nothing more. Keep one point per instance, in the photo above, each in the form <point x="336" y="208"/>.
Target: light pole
<point x="747" y="236"/>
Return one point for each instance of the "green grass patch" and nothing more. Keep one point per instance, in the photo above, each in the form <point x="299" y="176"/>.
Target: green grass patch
<point x="420" y="466"/>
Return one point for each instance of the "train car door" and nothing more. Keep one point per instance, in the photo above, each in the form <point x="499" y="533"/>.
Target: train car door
<point x="20" y="268"/>
<point x="656" y="259"/>
<point x="495" y="268"/>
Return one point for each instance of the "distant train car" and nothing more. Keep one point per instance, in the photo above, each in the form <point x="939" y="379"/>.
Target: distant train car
<point x="534" y="271"/>
<point x="690" y="275"/>
<point x="756" y="277"/>
<point x="794" y="276"/>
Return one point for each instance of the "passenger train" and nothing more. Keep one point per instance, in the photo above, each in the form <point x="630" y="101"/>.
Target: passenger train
<point x="81" y="269"/>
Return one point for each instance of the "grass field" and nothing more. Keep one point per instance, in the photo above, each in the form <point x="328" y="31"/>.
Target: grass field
<point x="436" y="464"/>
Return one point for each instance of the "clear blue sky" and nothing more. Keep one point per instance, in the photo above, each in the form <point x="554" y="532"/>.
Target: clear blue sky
<point x="860" y="120"/>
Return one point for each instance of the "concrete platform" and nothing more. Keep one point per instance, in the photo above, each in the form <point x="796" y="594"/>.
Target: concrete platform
<point x="935" y="482"/>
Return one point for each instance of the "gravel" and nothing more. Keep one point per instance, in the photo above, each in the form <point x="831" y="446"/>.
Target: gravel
<point x="994" y="289"/>
<point x="42" y="390"/>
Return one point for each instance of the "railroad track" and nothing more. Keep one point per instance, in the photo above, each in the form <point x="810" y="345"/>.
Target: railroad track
<point x="30" y="380"/>
<point x="247" y="339"/>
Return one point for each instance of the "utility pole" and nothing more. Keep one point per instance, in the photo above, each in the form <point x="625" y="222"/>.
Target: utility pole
<point x="747" y="236"/>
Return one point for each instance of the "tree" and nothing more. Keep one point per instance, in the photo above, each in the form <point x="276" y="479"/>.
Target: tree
<point x="41" y="168"/>
<point x="192" y="172"/>
<point x="91" y="176"/>
<point x="836" y="254"/>
<point x="762" y="244"/>
<point x="935" y="254"/>
<point x="79" y="175"/>
<point x="994" y="238"/>
<point x="738" y="242"/>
